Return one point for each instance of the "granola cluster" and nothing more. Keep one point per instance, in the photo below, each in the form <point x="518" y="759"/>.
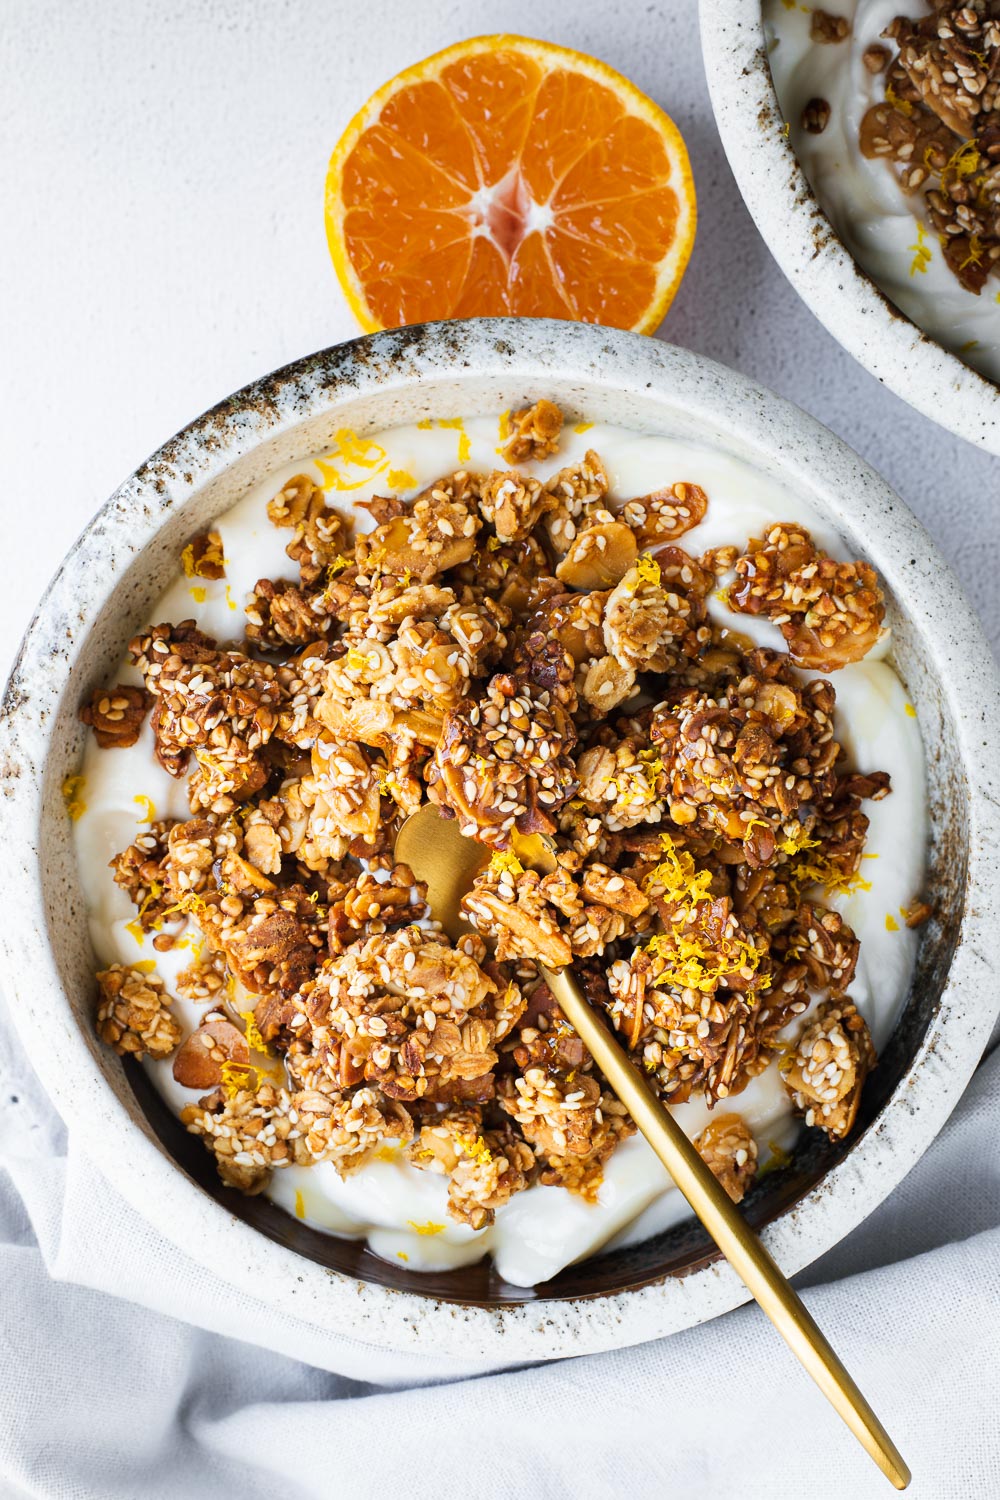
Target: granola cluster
<point x="938" y="124"/>
<point x="532" y="656"/>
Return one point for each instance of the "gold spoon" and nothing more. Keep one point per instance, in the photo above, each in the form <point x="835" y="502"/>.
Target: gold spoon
<point x="440" y="855"/>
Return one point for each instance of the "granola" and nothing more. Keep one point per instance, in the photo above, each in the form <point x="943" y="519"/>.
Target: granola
<point x="115" y="715"/>
<point x="133" y="1016"/>
<point x="532" y="656"/>
<point x="728" y="1147"/>
<point x="938" y="126"/>
<point x="485" y="1167"/>
<point x="827" y="1071"/>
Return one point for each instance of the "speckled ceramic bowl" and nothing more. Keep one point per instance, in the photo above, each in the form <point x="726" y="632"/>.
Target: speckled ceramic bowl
<point x="804" y="243"/>
<point x="103" y="592"/>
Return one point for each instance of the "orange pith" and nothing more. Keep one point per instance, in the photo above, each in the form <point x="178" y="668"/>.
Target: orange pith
<point x="506" y="175"/>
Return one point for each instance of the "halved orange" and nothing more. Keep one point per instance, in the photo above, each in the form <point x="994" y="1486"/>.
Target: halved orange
<point x="506" y="175"/>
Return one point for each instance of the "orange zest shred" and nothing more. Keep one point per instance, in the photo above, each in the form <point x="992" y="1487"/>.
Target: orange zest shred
<point x="677" y="877"/>
<point x="796" y="842"/>
<point x="72" y="795"/>
<point x="778" y="1160"/>
<point x="686" y="963"/>
<point x="476" y="1150"/>
<point x="239" y="1078"/>
<point x="922" y="255"/>
<point x="963" y="162"/>
<point x="689" y="967"/>
<point x="902" y="105"/>
<point x="647" y="569"/>
<point x="253" y="1036"/>
<point x="352" y="462"/>
<point x="146" y="807"/>
<point x="819" y="869"/>
<point x="210" y="559"/>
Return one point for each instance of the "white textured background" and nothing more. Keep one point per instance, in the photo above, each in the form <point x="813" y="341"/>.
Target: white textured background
<point x="162" y="243"/>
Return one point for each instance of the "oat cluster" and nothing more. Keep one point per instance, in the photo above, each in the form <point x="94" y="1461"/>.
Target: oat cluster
<point x="939" y="125"/>
<point x="531" y="656"/>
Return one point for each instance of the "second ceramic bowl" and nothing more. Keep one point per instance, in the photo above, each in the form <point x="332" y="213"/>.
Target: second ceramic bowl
<point x="804" y="243"/>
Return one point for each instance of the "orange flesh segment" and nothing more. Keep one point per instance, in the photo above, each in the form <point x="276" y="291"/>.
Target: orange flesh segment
<point x="507" y="179"/>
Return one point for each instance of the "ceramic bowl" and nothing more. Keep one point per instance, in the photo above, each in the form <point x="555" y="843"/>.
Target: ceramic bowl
<point x="103" y="592"/>
<point x="806" y="246"/>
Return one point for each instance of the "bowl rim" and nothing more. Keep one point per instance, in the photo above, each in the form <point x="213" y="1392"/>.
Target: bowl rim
<point x="806" y="246"/>
<point x="853" y="495"/>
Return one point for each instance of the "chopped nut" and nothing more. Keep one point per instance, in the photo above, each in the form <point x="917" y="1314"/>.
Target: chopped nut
<point x="280" y="613"/>
<point x="649" y="624"/>
<point x="347" y="1131"/>
<point x="250" y="1134"/>
<point x="513" y="504"/>
<point x="816" y="116"/>
<point x="607" y="683"/>
<point x="486" y="1167"/>
<point x="438" y="533"/>
<point x="502" y="761"/>
<point x="824" y="27"/>
<point x="576" y="494"/>
<point x="198" y="1063"/>
<point x="298" y="501"/>
<point x="666" y="514"/>
<point x="556" y="1114"/>
<point x="599" y="557"/>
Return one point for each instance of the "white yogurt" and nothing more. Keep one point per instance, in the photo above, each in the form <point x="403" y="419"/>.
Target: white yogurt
<point x="885" y="230"/>
<point x="542" y="1229"/>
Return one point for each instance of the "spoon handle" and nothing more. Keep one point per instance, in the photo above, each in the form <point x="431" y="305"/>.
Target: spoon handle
<point x="754" y="1265"/>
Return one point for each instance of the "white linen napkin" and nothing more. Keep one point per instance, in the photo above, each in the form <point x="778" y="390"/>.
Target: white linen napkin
<point x="131" y="1373"/>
